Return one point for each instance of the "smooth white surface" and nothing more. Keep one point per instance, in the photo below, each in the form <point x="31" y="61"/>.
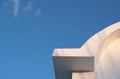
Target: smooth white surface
<point x="108" y="66"/>
<point x="69" y="52"/>
<point x="97" y="46"/>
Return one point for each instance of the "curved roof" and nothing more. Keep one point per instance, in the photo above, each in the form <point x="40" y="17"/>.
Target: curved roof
<point x="93" y="49"/>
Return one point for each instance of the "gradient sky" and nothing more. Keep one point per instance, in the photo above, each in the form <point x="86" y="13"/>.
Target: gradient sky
<point x="31" y="29"/>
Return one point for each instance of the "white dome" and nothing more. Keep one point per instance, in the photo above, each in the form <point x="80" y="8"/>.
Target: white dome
<point x="99" y="57"/>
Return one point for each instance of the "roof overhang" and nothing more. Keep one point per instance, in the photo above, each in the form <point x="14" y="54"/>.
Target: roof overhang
<point x="65" y="63"/>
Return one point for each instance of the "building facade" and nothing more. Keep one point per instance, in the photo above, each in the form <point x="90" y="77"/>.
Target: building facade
<point x="98" y="58"/>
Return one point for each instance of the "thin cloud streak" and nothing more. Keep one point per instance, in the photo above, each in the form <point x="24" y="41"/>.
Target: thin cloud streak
<point x="16" y="7"/>
<point x="38" y="12"/>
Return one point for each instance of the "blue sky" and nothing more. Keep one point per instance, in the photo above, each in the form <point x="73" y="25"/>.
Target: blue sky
<point x="31" y="29"/>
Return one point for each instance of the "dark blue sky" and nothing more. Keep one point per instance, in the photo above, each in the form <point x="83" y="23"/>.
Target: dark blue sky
<point x="31" y="29"/>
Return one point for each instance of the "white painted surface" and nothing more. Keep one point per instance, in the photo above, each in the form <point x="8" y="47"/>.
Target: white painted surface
<point x="108" y="66"/>
<point x="69" y="52"/>
<point x="103" y="47"/>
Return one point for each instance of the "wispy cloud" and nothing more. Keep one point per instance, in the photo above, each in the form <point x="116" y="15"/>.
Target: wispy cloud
<point x="28" y="7"/>
<point x="16" y="7"/>
<point x="38" y="12"/>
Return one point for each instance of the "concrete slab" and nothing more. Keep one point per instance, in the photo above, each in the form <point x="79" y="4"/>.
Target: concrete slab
<point x="66" y="64"/>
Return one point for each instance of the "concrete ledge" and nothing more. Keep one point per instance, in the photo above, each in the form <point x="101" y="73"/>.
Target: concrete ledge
<point x="65" y="65"/>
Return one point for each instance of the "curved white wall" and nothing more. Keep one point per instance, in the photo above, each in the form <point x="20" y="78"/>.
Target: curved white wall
<point x="108" y="66"/>
<point x="105" y="47"/>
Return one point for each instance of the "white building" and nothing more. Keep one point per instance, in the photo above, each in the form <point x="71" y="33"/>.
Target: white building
<point x="98" y="58"/>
